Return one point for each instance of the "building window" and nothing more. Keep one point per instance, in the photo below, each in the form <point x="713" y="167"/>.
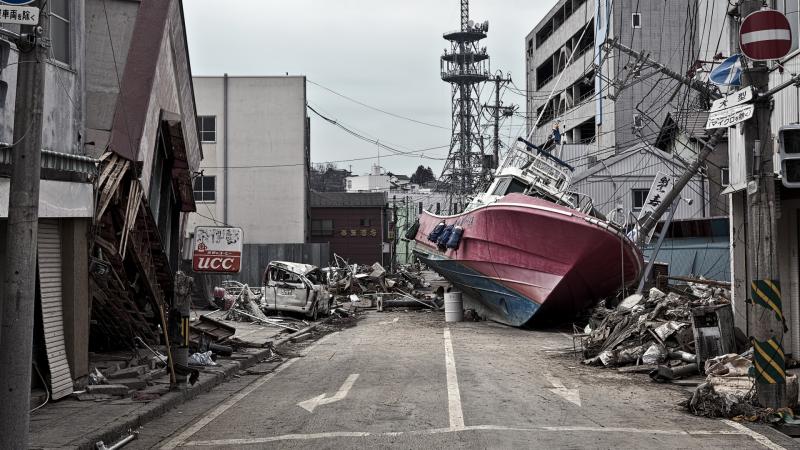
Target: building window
<point x="636" y="20"/>
<point x="420" y="208"/>
<point x="207" y="127"/>
<point x="724" y="176"/>
<point x="205" y="189"/>
<point x="639" y="197"/>
<point x="59" y="31"/>
<point x="366" y="222"/>
<point x="322" y="227"/>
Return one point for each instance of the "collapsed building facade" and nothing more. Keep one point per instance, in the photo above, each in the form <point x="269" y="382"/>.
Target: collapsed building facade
<point x="116" y="177"/>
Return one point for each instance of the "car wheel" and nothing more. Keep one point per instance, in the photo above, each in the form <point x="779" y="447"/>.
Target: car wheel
<point x="315" y="313"/>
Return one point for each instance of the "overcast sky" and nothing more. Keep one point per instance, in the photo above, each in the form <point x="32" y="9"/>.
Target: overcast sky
<point x="382" y="53"/>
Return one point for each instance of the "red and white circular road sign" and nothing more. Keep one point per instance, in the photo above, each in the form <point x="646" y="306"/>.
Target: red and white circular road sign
<point x="765" y="35"/>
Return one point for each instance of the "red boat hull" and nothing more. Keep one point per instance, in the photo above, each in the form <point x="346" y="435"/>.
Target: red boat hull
<point x="525" y="259"/>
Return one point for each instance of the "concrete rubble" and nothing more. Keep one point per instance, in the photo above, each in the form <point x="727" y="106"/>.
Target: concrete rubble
<point x="652" y="331"/>
<point x="366" y="285"/>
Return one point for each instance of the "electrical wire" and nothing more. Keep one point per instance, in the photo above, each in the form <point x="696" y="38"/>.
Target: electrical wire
<point x="374" y="108"/>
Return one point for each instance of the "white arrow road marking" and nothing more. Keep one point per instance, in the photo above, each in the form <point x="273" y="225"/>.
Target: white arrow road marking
<point x="570" y="395"/>
<point x="311" y="404"/>
<point x="387" y="323"/>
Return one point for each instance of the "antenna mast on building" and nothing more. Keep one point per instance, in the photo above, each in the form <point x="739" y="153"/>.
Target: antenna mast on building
<point x="465" y="65"/>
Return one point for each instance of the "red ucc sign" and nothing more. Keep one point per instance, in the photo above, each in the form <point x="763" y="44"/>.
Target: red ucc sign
<point x="217" y="249"/>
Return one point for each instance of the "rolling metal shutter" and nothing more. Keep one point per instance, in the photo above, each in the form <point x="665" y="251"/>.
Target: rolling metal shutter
<point x="52" y="313"/>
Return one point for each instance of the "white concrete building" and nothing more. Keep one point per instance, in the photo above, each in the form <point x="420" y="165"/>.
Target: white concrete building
<point x="255" y="137"/>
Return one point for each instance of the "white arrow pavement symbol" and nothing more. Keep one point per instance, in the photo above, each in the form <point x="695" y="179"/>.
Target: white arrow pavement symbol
<point x="311" y="404"/>
<point x="570" y="395"/>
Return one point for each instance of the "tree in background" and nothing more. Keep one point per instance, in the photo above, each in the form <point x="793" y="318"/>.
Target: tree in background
<point x="422" y="175"/>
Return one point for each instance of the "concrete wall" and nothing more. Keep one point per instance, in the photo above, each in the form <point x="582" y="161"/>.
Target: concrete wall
<point x="63" y="111"/>
<point x="664" y="25"/>
<point x="267" y="156"/>
<point x="75" y="279"/>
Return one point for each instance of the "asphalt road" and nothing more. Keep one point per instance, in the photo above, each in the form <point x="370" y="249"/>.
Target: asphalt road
<point x="407" y="380"/>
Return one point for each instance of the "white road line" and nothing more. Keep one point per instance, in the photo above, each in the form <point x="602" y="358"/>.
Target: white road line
<point x="191" y="431"/>
<point x="758" y="437"/>
<point x="453" y="394"/>
<point x="357" y="434"/>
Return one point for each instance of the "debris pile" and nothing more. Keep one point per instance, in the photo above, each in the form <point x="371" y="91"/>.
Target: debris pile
<point x="729" y="390"/>
<point x="654" y="332"/>
<point x="363" y="285"/>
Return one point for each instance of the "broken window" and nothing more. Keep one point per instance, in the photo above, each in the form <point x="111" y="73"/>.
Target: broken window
<point x="205" y="188"/>
<point x="207" y="127"/>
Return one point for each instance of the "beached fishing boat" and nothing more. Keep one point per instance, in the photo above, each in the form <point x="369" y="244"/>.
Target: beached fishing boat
<point x="528" y="250"/>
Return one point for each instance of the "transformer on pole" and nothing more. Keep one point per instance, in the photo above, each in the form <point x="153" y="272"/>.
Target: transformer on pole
<point x="465" y="65"/>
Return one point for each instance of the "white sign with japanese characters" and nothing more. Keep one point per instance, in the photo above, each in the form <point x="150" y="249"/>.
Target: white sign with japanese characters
<point x="661" y="186"/>
<point x="20" y="15"/>
<point x="739" y="97"/>
<point x="729" y="116"/>
<point x="217" y="249"/>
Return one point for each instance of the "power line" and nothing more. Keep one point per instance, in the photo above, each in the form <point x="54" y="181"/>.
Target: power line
<point x="374" y="108"/>
<point x="365" y="138"/>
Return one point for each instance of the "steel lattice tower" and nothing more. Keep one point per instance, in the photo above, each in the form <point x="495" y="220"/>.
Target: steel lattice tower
<point x="465" y="65"/>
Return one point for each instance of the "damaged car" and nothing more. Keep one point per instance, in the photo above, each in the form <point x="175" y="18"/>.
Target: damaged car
<point x="295" y="287"/>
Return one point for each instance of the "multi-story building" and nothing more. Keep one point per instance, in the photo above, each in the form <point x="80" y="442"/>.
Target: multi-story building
<point x="255" y="137"/>
<point x="612" y="109"/>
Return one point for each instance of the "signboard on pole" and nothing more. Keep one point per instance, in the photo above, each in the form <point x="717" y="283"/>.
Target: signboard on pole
<point x="730" y="116"/>
<point x="662" y="184"/>
<point x="217" y="249"/>
<point x="19" y="15"/>
<point x="735" y="99"/>
<point x="765" y="35"/>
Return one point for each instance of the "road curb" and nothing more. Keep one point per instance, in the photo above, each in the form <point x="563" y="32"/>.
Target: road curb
<point x="156" y="408"/>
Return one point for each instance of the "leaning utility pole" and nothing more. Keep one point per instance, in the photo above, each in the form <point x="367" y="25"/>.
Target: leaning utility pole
<point x="497" y="110"/>
<point x="18" y="291"/>
<point x="766" y="318"/>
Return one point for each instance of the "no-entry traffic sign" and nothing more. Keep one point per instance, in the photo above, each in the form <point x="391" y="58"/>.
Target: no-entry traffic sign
<point x="765" y="35"/>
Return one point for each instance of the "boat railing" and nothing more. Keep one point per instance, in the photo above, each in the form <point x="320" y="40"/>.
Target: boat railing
<point x="538" y="169"/>
<point x="581" y="202"/>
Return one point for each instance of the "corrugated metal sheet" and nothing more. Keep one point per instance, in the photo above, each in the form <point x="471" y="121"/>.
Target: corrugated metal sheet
<point x="66" y="162"/>
<point x="612" y="181"/>
<point x="52" y="313"/>
<point x="696" y="256"/>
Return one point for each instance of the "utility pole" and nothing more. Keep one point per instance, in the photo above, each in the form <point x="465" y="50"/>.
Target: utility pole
<point x="497" y="110"/>
<point x="18" y="291"/>
<point x="766" y="318"/>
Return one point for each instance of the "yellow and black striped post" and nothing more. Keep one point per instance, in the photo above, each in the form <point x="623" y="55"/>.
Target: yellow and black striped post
<point x="769" y="360"/>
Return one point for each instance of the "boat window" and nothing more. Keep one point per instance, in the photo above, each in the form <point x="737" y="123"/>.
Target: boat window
<point x="516" y="186"/>
<point x="502" y="185"/>
<point x="509" y="185"/>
